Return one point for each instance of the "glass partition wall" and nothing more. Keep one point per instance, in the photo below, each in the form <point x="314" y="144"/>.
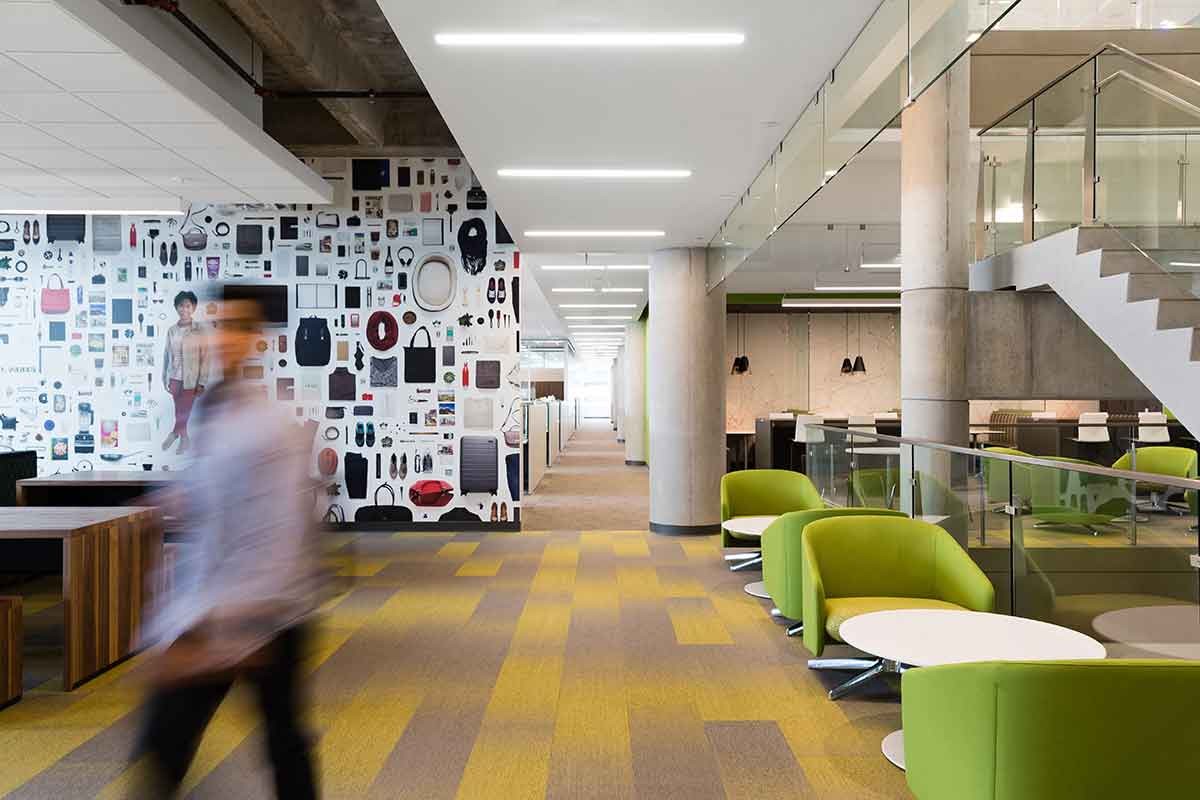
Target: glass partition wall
<point x="1102" y="551"/>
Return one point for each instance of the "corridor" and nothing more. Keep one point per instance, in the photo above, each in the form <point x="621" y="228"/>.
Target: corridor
<point x="590" y="487"/>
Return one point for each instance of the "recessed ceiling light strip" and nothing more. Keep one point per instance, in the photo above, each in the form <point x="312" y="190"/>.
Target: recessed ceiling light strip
<point x="595" y="234"/>
<point x="584" y="173"/>
<point x="591" y="39"/>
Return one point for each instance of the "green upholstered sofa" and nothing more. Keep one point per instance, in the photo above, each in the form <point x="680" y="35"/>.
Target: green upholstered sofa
<point x="1067" y="730"/>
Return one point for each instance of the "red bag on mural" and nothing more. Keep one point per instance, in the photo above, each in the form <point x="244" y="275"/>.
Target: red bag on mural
<point x="430" y="493"/>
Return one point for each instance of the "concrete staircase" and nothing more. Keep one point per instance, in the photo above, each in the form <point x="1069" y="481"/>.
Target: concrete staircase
<point x="1146" y="315"/>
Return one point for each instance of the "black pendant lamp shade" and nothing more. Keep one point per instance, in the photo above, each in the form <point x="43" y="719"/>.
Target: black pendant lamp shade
<point x="846" y="366"/>
<point x="860" y="366"/>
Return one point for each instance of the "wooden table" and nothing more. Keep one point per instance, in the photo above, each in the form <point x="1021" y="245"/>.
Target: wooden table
<point x="98" y="488"/>
<point x="110" y="561"/>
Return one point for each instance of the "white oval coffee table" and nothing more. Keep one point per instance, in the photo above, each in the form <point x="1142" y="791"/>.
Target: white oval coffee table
<point x="927" y="638"/>
<point x="751" y="527"/>
<point x="1171" y="631"/>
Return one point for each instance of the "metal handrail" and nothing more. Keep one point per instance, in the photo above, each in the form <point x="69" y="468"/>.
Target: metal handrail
<point x="1032" y="461"/>
<point x="1107" y="47"/>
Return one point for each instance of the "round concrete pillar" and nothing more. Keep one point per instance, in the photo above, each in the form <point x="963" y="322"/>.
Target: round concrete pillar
<point x="935" y="207"/>
<point x="634" y="385"/>
<point x="686" y="393"/>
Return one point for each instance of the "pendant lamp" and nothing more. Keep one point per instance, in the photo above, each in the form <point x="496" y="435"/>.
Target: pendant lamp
<point x="847" y="367"/>
<point x="860" y="366"/>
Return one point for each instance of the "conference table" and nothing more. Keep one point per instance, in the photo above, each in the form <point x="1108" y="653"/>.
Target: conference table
<point x="109" y="559"/>
<point x="752" y="527"/>
<point x="94" y="488"/>
<point x="927" y="638"/>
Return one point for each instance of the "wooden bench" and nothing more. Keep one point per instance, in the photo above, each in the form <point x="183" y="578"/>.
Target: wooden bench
<point x="11" y="637"/>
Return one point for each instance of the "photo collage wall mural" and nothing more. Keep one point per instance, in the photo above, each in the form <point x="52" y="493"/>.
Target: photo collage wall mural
<point x="393" y="332"/>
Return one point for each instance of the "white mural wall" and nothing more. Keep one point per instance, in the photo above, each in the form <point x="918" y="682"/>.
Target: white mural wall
<point x="395" y="331"/>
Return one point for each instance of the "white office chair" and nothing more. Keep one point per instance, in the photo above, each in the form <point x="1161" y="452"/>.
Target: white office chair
<point x="804" y="435"/>
<point x="1152" y="428"/>
<point x="775" y="416"/>
<point x="861" y="423"/>
<point x="885" y="416"/>
<point x="1093" y="427"/>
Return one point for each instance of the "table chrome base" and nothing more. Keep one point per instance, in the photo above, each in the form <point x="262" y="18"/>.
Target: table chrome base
<point x="893" y="748"/>
<point x="741" y="556"/>
<point x="872" y="668"/>
<point x="757" y="589"/>
<point x="796" y="630"/>
<point x="756" y="561"/>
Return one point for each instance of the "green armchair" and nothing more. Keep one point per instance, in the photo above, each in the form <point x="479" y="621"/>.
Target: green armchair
<point x="875" y="487"/>
<point x="1055" y="498"/>
<point x="763" y="492"/>
<point x="1052" y="730"/>
<point x="1177" y="462"/>
<point x="856" y="565"/>
<point x="781" y="554"/>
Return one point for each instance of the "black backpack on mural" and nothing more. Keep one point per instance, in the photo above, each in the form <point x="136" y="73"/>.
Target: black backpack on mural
<point x="313" y="343"/>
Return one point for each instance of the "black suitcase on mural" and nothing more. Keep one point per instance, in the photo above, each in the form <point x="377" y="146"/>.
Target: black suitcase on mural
<point x="478" y="464"/>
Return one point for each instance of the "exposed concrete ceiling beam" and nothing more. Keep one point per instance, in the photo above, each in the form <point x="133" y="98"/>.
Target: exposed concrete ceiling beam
<point x="296" y="35"/>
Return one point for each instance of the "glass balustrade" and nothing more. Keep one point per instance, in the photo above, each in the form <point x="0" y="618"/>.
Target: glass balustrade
<point x="903" y="48"/>
<point x="1106" y="552"/>
<point x="1106" y="144"/>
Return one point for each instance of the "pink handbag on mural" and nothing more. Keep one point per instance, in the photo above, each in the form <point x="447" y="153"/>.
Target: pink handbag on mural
<point x="56" y="301"/>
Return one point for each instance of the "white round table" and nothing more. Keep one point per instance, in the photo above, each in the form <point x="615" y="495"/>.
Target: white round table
<point x="1172" y="631"/>
<point x="749" y="526"/>
<point x="752" y="527"/>
<point x="927" y="638"/>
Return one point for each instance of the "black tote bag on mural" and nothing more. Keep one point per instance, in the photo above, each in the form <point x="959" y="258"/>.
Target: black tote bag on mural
<point x="313" y="342"/>
<point x="382" y="513"/>
<point x="420" y="363"/>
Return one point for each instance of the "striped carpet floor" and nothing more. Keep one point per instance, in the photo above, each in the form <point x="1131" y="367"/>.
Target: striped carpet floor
<point x="557" y="664"/>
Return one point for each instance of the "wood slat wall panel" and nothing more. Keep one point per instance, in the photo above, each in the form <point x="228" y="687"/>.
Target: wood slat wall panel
<point x="11" y="635"/>
<point x="109" y="576"/>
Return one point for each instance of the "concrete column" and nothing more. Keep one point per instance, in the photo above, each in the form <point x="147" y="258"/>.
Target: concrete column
<point x="618" y="390"/>
<point x="686" y="391"/>
<point x="634" y="382"/>
<point x="935" y="209"/>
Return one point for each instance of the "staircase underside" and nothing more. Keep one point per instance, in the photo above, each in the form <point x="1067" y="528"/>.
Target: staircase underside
<point x="1143" y="313"/>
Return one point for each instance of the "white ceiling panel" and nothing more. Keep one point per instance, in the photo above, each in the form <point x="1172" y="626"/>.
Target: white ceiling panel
<point x="91" y="110"/>
<point x="148" y="158"/>
<point x="90" y="136"/>
<point x="15" y="134"/>
<point x="43" y="27"/>
<point x="30" y="178"/>
<point x="50" y="107"/>
<point x="141" y="107"/>
<point x="90" y="72"/>
<point x="61" y="157"/>
<point x="718" y="112"/>
<point x="103" y="179"/>
<point x="16" y="78"/>
<point x="191" y="136"/>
